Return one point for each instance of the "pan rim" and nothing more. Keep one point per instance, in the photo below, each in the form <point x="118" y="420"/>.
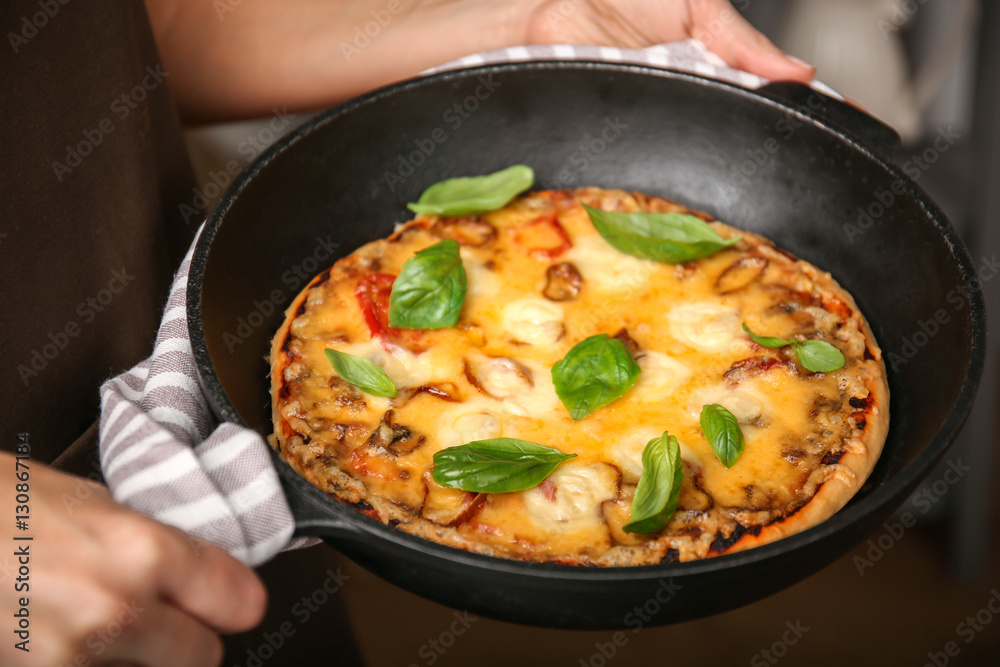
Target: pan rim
<point x="878" y="498"/>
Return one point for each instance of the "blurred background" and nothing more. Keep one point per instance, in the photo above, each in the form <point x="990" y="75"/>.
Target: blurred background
<point x="926" y="594"/>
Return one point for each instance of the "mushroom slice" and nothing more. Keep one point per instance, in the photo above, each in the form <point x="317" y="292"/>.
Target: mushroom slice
<point x="470" y="231"/>
<point x="393" y="438"/>
<point x="562" y="282"/>
<point x="740" y="273"/>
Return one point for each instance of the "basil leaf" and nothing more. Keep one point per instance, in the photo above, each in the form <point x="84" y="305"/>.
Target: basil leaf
<point x="429" y="291"/>
<point x="477" y="194"/>
<point x="595" y="372"/>
<point x="361" y="373"/>
<point x="659" y="487"/>
<point x="723" y="432"/>
<point x="666" y="237"/>
<point x="498" y="465"/>
<point x="819" y="356"/>
<point x="766" y="341"/>
<point x="815" y="355"/>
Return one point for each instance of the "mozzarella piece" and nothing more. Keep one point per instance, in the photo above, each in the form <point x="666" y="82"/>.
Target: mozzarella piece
<point x="746" y="403"/>
<point x="470" y="421"/>
<point x="627" y="452"/>
<point x="539" y="400"/>
<point x="660" y="376"/>
<point x="482" y="283"/>
<point x="535" y="321"/>
<point x="504" y="381"/>
<point x="603" y="267"/>
<point x="705" y="326"/>
<point x="501" y="377"/>
<point x="579" y="490"/>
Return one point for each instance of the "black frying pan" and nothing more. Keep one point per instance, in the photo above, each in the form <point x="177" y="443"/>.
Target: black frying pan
<point x="751" y="158"/>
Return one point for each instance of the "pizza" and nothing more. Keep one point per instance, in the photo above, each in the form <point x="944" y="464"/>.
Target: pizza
<point x="542" y="282"/>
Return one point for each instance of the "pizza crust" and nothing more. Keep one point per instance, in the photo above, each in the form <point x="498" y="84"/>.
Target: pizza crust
<point x="693" y="533"/>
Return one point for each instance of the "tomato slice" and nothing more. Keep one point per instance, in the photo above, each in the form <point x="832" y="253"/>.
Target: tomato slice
<point x="373" y="293"/>
<point x="544" y="237"/>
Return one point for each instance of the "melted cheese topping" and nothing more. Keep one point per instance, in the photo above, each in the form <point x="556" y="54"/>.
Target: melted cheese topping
<point x="496" y="366"/>
<point x="660" y="376"/>
<point x="571" y="500"/>
<point x="608" y="269"/>
<point x="534" y="321"/>
<point x="705" y="325"/>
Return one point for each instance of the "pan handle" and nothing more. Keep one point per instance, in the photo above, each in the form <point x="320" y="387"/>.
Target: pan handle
<point x="310" y="507"/>
<point x="313" y="519"/>
<point x="873" y="132"/>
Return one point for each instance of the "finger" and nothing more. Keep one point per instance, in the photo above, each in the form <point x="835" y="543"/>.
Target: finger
<point x="211" y="585"/>
<point x="725" y="32"/>
<point x="195" y="576"/>
<point x="157" y="634"/>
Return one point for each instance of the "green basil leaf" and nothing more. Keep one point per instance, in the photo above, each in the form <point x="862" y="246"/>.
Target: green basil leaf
<point x="666" y="237"/>
<point x="766" y="341"/>
<point x="476" y="194"/>
<point x="595" y="372"/>
<point x="815" y="355"/>
<point x="659" y="487"/>
<point x="819" y="356"/>
<point x="498" y="465"/>
<point x="430" y="289"/>
<point x="361" y="373"/>
<point x="723" y="432"/>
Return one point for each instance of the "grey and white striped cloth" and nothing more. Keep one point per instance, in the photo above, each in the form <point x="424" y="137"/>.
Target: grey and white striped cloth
<point x="162" y="451"/>
<point x="164" y="455"/>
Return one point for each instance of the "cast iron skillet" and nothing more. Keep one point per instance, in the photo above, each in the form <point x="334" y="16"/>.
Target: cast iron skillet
<point x="750" y="158"/>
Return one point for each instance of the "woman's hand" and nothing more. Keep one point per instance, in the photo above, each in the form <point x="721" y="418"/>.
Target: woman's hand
<point x="641" y="23"/>
<point x="236" y="58"/>
<point x="106" y="586"/>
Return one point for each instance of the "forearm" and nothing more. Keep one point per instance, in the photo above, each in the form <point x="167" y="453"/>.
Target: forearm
<point x="229" y="60"/>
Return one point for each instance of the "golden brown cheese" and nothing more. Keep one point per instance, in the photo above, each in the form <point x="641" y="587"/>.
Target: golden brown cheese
<point x="490" y="377"/>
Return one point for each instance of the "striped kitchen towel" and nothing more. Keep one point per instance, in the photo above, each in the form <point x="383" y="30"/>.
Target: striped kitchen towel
<point x="164" y="455"/>
<point x="162" y="451"/>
